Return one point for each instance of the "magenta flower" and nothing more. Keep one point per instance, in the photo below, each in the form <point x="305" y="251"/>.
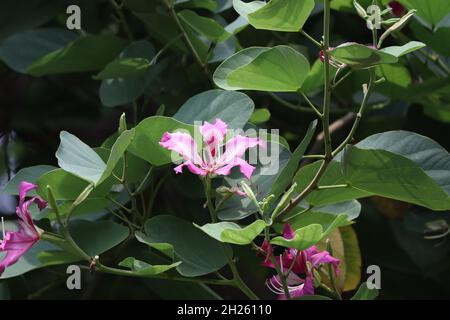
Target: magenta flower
<point x="397" y="8"/>
<point x="299" y="266"/>
<point x="212" y="161"/>
<point x="17" y="243"/>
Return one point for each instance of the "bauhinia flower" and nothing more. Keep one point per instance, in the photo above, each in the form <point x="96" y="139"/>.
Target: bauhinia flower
<point x="298" y="267"/>
<point x="17" y="243"/>
<point x="397" y="8"/>
<point x="212" y="161"/>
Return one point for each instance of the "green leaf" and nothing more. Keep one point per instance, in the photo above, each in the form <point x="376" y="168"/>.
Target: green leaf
<point x="117" y="151"/>
<point x="40" y="255"/>
<point x="78" y="158"/>
<point x="207" y="27"/>
<point x="234" y="108"/>
<point x="324" y="215"/>
<point x="260" y="116"/>
<point x="364" y="293"/>
<point x="263" y="177"/>
<point x="278" y="69"/>
<point x="432" y="11"/>
<point x="288" y="172"/>
<point x="97" y="237"/>
<point x="88" y="53"/>
<point x="399" y="51"/>
<point x="119" y="90"/>
<point x="231" y="232"/>
<point x="38" y="42"/>
<point x="423" y="151"/>
<point x="124" y="68"/>
<point x="304" y="238"/>
<point x="199" y="253"/>
<point x="147" y="135"/>
<point x="66" y="186"/>
<point x="352" y="257"/>
<point x="30" y="174"/>
<point x="332" y="176"/>
<point x="392" y="176"/>
<point x="144" y="269"/>
<point x="234" y="62"/>
<point x="281" y="15"/>
<point x="360" y="56"/>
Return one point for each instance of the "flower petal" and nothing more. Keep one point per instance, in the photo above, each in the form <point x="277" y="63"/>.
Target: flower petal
<point x="192" y="168"/>
<point x="244" y="167"/>
<point x="213" y="135"/>
<point x="288" y="232"/>
<point x="16" y="244"/>
<point x="183" y="144"/>
<point x="236" y="147"/>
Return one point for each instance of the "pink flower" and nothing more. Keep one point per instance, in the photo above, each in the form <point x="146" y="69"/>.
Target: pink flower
<point x="17" y="243"/>
<point x="397" y="8"/>
<point x="299" y="266"/>
<point x="212" y="160"/>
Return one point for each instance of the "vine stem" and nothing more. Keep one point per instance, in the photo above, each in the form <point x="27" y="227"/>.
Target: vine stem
<point x="122" y="18"/>
<point x="188" y="42"/>
<point x="237" y="280"/>
<point x="328" y="88"/>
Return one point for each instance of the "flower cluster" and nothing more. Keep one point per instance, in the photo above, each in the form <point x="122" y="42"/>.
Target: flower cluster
<point x="212" y="161"/>
<point x="17" y="243"/>
<point x="297" y="266"/>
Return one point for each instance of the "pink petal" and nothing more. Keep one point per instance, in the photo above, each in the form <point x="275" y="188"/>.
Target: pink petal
<point x="16" y="244"/>
<point x="192" y="168"/>
<point x="183" y="144"/>
<point x="306" y="289"/>
<point x="24" y="188"/>
<point x="236" y="147"/>
<point x="213" y="135"/>
<point x="288" y="232"/>
<point x="244" y="167"/>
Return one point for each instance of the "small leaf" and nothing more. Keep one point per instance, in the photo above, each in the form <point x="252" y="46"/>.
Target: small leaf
<point x="231" y="232"/>
<point x="76" y="157"/>
<point x="399" y="51"/>
<point x="144" y="269"/>
<point x="207" y="27"/>
<point x="30" y="174"/>
<point x="124" y="68"/>
<point x="278" y="69"/>
<point x="364" y="293"/>
<point x="304" y="238"/>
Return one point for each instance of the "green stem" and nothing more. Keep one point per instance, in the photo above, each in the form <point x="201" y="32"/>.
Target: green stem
<point x="188" y="42"/>
<point x="318" y="113"/>
<point x="122" y="19"/>
<point x="360" y="113"/>
<point x="327" y="89"/>
<point x="317" y="43"/>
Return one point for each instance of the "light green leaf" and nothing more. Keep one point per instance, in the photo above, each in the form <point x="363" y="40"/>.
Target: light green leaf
<point x="277" y="15"/>
<point x="389" y="175"/>
<point x="423" y="151"/>
<point x="207" y="27"/>
<point x="304" y="238"/>
<point x="144" y="269"/>
<point x="399" y="51"/>
<point x="364" y="293"/>
<point x="234" y="62"/>
<point x="231" y="232"/>
<point x="30" y="174"/>
<point x="234" y="108"/>
<point x="332" y="176"/>
<point x="88" y="53"/>
<point x="117" y="151"/>
<point x="147" y="135"/>
<point x="279" y="69"/>
<point x="260" y="116"/>
<point x="432" y="11"/>
<point x="360" y="56"/>
<point x="199" y="253"/>
<point x="78" y="158"/>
